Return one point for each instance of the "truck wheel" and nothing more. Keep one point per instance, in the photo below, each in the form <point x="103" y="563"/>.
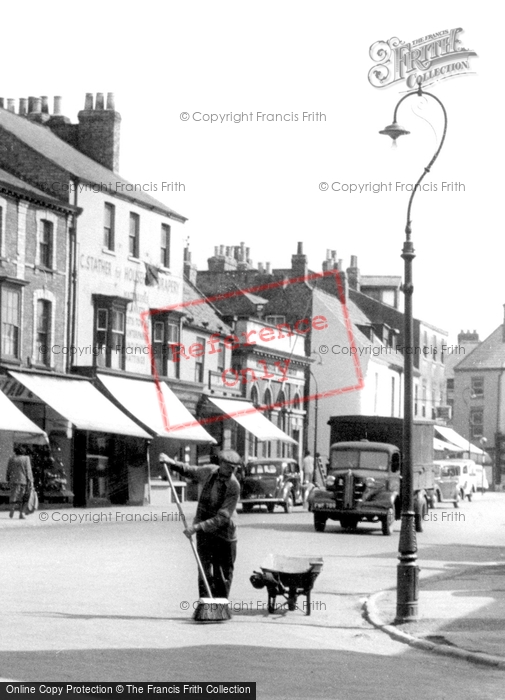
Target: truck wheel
<point x="288" y="503"/>
<point x="349" y="523"/>
<point x="420" y="517"/>
<point x="387" y="523"/>
<point x="319" y="522"/>
<point x="270" y="507"/>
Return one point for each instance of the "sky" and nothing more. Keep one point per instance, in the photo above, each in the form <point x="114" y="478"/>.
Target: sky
<point x="258" y="181"/>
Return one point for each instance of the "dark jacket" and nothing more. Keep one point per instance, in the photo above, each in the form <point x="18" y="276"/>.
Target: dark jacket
<point x="217" y="503"/>
<point x="19" y="470"/>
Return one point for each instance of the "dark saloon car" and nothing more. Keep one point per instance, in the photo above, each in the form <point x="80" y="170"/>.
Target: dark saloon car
<point x="270" y="482"/>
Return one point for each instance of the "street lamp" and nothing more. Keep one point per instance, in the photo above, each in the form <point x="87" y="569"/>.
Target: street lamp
<point x="408" y="571"/>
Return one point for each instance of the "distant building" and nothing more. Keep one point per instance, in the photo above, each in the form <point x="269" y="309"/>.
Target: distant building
<point x="479" y="398"/>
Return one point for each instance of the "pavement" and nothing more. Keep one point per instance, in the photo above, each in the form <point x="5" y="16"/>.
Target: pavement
<point x="461" y="612"/>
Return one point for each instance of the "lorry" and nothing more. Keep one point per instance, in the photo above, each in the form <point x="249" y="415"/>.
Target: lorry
<point x="363" y="481"/>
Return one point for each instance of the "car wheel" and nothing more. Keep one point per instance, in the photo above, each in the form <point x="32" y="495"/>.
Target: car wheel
<point x="270" y="507"/>
<point x="319" y="522"/>
<point x="288" y="503"/>
<point x="349" y="523"/>
<point x="246" y="507"/>
<point x="387" y="523"/>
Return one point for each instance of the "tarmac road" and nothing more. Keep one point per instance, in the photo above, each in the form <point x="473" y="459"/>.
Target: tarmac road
<point x="107" y="600"/>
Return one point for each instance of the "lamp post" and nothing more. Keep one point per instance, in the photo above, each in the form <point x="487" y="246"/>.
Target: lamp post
<point x="408" y="571"/>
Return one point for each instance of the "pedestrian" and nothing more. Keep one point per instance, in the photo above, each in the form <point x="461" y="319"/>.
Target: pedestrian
<point x="20" y="480"/>
<point x="215" y="529"/>
<point x="308" y="475"/>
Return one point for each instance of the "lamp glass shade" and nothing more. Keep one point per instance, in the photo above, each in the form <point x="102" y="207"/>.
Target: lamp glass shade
<point x="394" y="130"/>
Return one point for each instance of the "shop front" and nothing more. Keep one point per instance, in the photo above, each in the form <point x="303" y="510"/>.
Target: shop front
<point x="157" y="409"/>
<point x="96" y="452"/>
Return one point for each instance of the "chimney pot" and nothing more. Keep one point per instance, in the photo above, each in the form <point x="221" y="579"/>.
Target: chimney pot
<point x="260" y="268"/>
<point x="328" y="254"/>
<point x="99" y="101"/>
<point x="268" y="265"/>
<point x="31" y="100"/>
<point x="333" y="254"/>
<point x="45" y="104"/>
<point x="110" y="101"/>
<point x="340" y="264"/>
<point x="221" y="250"/>
<point x="216" y="251"/>
<point x="300" y="249"/>
<point x="11" y="105"/>
<point x="248" y="253"/>
<point x="228" y="251"/>
<point x="37" y="105"/>
<point x="354" y="261"/>
<point x="22" y="105"/>
<point x="88" y="101"/>
<point x="57" y="104"/>
<point x="2" y="102"/>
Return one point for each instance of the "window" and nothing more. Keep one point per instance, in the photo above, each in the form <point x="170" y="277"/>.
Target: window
<point x="166" y="339"/>
<point x="1" y="230"/>
<point x="255" y="396"/>
<point x="108" y="226"/>
<point x="275" y="320"/>
<point x="221" y="357"/>
<point x="165" y="245"/>
<point x="46" y="244"/>
<point x="10" y="322"/>
<point x="43" y="339"/>
<point x="133" y="245"/>
<point x="110" y="330"/>
<point x="476" y="423"/>
<point x="388" y="297"/>
<point x="477" y="387"/>
<point x="199" y="362"/>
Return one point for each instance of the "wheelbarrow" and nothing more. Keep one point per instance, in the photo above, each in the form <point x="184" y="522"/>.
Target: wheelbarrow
<point x="288" y="577"/>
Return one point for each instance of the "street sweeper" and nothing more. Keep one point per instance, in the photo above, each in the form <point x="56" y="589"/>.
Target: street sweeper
<point x="215" y="530"/>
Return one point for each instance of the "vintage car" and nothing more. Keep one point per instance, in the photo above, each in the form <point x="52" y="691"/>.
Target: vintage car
<point x="270" y="482"/>
<point x="458" y="475"/>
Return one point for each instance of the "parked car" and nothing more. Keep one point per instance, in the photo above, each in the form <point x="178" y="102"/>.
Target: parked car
<point x="460" y="471"/>
<point x="270" y="482"/>
<point x="446" y="483"/>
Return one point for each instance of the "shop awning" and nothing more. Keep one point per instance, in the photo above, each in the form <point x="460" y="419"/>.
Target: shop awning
<point x="443" y="446"/>
<point x="158" y="410"/>
<point x="246" y="415"/>
<point x="80" y="403"/>
<point x="450" y="435"/>
<point x="12" y="420"/>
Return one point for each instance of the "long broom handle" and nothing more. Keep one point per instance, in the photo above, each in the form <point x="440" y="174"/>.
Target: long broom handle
<point x="183" y="518"/>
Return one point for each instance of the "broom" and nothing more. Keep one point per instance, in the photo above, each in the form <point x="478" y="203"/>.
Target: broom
<point x="208" y="609"/>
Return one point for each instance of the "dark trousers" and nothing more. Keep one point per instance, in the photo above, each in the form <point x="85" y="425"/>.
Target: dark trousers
<point x="218" y="559"/>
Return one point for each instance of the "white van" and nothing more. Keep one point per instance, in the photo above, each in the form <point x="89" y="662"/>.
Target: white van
<point x="463" y="471"/>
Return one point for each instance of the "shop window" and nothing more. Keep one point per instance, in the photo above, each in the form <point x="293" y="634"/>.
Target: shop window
<point x="46" y="244"/>
<point x="43" y="332"/>
<point x="110" y="331"/>
<point x="134" y="236"/>
<point x="108" y="226"/>
<point x="166" y="340"/>
<point x="165" y="245"/>
<point x="10" y="310"/>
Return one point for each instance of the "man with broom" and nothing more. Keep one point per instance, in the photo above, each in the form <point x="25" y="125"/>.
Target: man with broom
<point x="216" y="535"/>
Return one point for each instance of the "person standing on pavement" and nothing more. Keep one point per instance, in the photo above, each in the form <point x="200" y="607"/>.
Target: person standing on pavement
<point x="216" y="532"/>
<point x="20" y="480"/>
<point x="308" y="475"/>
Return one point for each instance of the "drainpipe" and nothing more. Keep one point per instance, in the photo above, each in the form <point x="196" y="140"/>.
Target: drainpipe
<point x="72" y="281"/>
<point x="497" y="466"/>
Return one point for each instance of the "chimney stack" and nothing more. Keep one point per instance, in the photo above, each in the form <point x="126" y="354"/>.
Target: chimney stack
<point x="353" y="274"/>
<point x="98" y="131"/>
<point x="299" y="263"/>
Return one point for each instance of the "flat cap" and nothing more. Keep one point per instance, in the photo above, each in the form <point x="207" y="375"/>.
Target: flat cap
<point x="230" y="456"/>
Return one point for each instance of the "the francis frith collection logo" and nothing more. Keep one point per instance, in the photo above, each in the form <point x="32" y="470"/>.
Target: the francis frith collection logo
<point x="433" y="57"/>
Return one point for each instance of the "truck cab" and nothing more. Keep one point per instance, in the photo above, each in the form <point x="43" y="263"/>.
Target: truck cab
<point x="362" y="484"/>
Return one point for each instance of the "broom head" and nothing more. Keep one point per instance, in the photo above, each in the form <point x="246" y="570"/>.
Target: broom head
<point x="212" y="610"/>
